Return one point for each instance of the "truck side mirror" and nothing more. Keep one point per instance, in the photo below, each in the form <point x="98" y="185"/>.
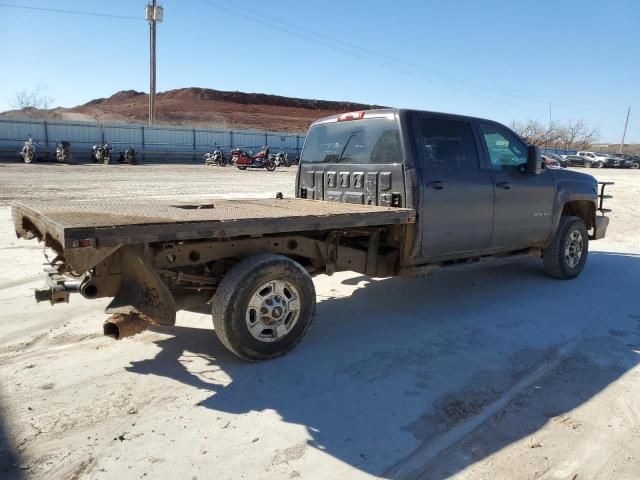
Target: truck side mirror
<point x="534" y="160"/>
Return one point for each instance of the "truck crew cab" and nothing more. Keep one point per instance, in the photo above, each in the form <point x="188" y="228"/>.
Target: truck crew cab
<point x="381" y="192"/>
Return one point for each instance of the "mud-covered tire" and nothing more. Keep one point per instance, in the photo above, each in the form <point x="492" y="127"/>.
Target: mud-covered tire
<point x="230" y="308"/>
<point x="555" y="256"/>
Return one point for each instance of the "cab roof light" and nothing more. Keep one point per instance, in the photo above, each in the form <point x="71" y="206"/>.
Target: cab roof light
<point x="351" y="116"/>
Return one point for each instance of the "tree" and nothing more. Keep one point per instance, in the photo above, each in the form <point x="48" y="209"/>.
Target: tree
<point x="36" y="98"/>
<point x="574" y="135"/>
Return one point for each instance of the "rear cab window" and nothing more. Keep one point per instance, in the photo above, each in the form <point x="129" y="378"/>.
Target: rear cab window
<point x="359" y="141"/>
<point x="447" y="144"/>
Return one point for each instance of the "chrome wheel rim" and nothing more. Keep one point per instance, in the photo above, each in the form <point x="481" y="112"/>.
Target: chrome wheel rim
<point x="573" y="249"/>
<point x="273" y="311"/>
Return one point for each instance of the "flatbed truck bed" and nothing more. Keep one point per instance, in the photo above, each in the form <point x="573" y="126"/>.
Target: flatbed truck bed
<point x="112" y="223"/>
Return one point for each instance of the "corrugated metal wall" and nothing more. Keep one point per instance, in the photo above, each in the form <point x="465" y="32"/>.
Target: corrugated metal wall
<point x="163" y="144"/>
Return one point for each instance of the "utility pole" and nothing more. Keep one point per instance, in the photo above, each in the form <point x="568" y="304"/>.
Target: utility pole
<point x="154" y="15"/>
<point x="624" y="132"/>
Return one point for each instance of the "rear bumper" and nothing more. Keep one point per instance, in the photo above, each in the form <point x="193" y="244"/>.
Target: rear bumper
<point x="600" y="229"/>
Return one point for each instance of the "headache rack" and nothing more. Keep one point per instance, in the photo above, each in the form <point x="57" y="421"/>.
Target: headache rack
<point x="602" y="196"/>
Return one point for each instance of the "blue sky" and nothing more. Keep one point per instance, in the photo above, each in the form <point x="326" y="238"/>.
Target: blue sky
<point x="501" y="59"/>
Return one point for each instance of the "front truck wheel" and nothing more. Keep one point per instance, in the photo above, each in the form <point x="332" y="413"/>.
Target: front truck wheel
<point x="566" y="256"/>
<point x="263" y="307"/>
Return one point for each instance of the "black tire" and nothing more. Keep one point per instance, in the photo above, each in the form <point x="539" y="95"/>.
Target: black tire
<point x="231" y="304"/>
<point x="242" y="168"/>
<point x="635" y="166"/>
<point x="554" y="258"/>
<point x="270" y="165"/>
<point x="222" y="162"/>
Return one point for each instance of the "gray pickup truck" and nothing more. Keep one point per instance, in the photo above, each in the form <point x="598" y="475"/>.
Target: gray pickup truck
<point x="381" y="192"/>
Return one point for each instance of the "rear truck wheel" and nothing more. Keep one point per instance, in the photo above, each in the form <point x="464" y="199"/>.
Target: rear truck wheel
<point x="636" y="165"/>
<point x="263" y="307"/>
<point x="566" y="256"/>
<point x="242" y="168"/>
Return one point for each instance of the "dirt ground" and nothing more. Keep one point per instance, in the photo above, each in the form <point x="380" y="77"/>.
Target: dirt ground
<point x="497" y="373"/>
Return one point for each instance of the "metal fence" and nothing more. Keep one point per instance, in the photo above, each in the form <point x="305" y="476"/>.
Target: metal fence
<point x="162" y="144"/>
<point x="558" y="151"/>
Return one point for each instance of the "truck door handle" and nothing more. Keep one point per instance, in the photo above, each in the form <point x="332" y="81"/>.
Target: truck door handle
<point x="436" y="184"/>
<point x="504" y="185"/>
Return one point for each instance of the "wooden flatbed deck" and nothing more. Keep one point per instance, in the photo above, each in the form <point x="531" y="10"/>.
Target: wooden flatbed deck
<point x="113" y="223"/>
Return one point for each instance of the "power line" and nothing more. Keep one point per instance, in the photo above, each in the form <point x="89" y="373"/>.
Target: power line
<point x="362" y="56"/>
<point x="388" y="61"/>
<point x="72" y="12"/>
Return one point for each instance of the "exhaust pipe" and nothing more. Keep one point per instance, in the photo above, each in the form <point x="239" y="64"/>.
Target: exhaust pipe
<point x="122" y="325"/>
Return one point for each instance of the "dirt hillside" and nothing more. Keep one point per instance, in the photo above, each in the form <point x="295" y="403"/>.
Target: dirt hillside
<point x="203" y="107"/>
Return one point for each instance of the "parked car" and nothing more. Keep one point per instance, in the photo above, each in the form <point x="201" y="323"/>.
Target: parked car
<point x="574" y="161"/>
<point x="561" y="161"/>
<point x="557" y="158"/>
<point x="633" y="159"/>
<point x="550" y="162"/>
<point x="593" y="159"/>
<point x="615" y="161"/>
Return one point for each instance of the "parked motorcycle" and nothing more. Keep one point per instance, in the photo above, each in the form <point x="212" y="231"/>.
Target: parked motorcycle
<point x="28" y="152"/>
<point x="243" y="159"/>
<point x="217" y="157"/>
<point x="101" y="153"/>
<point x="128" y="156"/>
<point x="281" y="159"/>
<point x="63" y="152"/>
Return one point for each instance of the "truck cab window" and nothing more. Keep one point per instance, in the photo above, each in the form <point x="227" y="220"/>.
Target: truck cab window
<point x="447" y="143"/>
<point x="506" y="151"/>
<point x="371" y="140"/>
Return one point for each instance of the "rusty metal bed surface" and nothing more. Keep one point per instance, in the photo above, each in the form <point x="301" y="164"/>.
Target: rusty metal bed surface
<point x="117" y="222"/>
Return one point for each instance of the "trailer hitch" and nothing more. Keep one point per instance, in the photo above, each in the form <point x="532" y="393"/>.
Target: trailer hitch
<point x="57" y="288"/>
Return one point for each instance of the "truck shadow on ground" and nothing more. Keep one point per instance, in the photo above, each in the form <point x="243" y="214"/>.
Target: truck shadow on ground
<point x="401" y="362"/>
<point x="10" y="460"/>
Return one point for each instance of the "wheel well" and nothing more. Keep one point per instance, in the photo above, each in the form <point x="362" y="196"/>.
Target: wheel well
<point x="584" y="209"/>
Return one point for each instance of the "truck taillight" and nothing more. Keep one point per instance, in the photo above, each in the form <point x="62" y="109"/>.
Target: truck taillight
<point x="351" y="116"/>
<point x="84" y="243"/>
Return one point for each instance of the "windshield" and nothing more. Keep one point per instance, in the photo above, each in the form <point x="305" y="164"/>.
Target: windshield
<point x="373" y="140"/>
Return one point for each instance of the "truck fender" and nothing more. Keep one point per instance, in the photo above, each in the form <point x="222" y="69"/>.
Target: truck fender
<point x="576" y="198"/>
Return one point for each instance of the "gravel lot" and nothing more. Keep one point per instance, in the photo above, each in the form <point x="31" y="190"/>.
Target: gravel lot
<point x="497" y="373"/>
